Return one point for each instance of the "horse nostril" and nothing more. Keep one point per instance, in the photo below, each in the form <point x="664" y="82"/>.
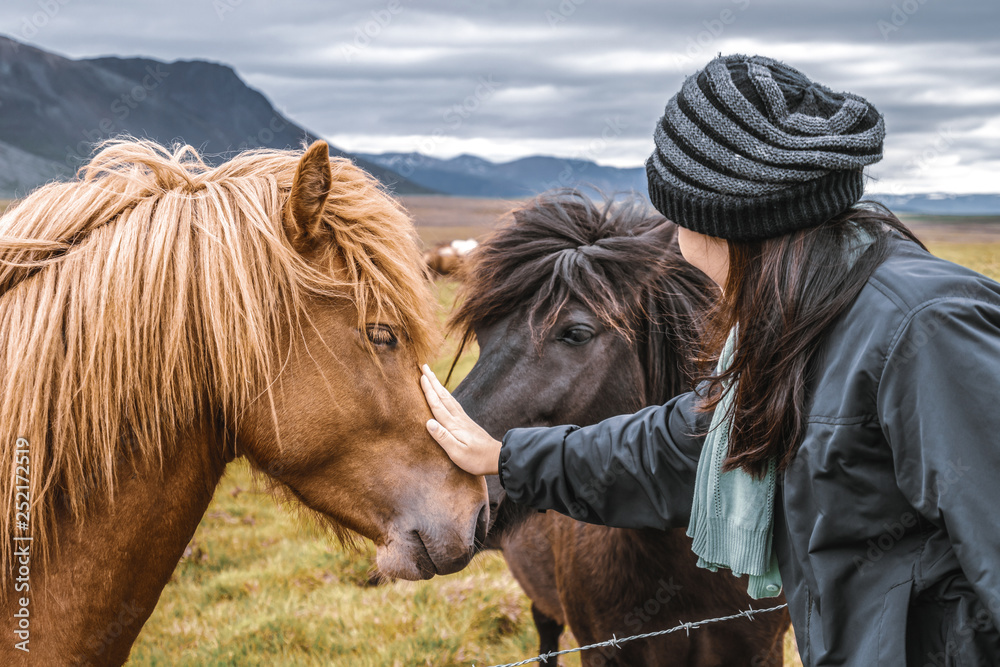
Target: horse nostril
<point x="482" y="525"/>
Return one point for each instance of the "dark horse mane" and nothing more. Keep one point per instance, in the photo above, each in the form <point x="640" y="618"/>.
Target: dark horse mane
<point x="617" y="257"/>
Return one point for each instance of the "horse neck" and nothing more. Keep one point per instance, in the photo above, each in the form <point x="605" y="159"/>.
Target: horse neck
<point x="664" y="377"/>
<point x="107" y="573"/>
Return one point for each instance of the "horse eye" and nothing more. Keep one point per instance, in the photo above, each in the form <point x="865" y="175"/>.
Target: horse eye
<point x="381" y="334"/>
<point x="577" y="335"/>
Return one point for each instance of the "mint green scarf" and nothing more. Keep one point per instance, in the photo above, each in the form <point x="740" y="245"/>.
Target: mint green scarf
<point x="732" y="514"/>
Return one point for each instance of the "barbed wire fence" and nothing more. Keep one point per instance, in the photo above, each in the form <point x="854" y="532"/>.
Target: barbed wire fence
<point x="615" y="642"/>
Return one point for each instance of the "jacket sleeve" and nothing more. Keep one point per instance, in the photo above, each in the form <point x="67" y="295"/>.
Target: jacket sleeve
<point x="937" y="403"/>
<point x="630" y="471"/>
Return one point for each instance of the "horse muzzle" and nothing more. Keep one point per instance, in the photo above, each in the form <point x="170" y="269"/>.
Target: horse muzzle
<point x="420" y="549"/>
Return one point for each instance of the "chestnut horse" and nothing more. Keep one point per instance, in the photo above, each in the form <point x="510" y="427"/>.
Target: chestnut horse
<point x="582" y="312"/>
<point x="445" y="259"/>
<point x="160" y="317"/>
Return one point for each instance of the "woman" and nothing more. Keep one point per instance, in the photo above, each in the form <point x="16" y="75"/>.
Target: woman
<point x="847" y="444"/>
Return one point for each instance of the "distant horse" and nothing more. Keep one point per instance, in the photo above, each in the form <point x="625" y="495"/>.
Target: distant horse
<point x="158" y="318"/>
<point x="447" y="258"/>
<point x="582" y="312"/>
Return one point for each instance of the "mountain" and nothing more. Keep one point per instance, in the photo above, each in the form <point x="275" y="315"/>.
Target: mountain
<point x="941" y="204"/>
<point x="54" y="109"/>
<point x="472" y="176"/>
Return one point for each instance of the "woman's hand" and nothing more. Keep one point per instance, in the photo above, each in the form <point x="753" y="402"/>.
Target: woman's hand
<point x="469" y="446"/>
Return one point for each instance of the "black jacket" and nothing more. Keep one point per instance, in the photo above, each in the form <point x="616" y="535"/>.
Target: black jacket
<point x="887" y="523"/>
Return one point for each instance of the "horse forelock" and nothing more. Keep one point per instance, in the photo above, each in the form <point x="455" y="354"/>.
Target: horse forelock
<point x="150" y="293"/>
<point x="617" y="258"/>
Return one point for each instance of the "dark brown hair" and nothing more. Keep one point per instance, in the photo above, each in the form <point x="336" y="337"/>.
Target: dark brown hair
<point x="785" y="292"/>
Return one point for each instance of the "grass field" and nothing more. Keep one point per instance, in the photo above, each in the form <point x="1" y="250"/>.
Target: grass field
<point x="258" y="586"/>
<point x="981" y="257"/>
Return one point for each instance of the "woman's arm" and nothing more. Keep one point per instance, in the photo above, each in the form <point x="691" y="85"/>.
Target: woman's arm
<point x="631" y="471"/>
<point x="937" y="402"/>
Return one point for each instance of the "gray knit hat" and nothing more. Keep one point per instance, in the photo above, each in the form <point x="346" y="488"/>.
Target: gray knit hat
<point x="750" y="149"/>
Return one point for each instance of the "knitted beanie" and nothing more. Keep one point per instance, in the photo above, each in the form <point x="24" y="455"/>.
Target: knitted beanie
<point x="750" y="149"/>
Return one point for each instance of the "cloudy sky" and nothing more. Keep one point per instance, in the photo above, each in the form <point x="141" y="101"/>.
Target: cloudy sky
<point x="575" y="78"/>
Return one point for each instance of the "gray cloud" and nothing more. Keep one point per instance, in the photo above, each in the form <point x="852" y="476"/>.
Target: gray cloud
<point x="402" y="74"/>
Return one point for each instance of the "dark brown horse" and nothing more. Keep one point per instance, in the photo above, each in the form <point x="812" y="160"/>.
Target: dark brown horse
<point x="585" y="311"/>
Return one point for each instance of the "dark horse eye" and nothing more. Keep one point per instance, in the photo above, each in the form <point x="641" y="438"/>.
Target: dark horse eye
<point x="577" y="335"/>
<point x="381" y="334"/>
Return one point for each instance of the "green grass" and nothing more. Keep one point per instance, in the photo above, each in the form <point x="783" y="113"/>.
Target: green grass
<point x="445" y="291"/>
<point x="981" y="257"/>
<point x="261" y="587"/>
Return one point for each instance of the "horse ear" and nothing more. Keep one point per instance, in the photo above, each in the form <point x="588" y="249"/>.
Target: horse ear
<point x="310" y="188"/>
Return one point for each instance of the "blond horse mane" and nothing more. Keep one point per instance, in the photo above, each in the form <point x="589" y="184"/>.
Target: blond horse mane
<point x="150" y="292"/>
